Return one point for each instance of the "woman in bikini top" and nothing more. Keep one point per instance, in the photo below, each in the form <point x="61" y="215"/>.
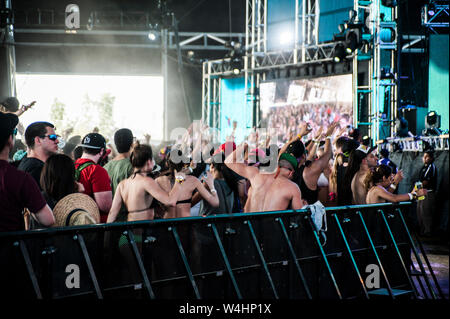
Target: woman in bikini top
<point x="138" y="191"/>
<point x="187" y="186"/>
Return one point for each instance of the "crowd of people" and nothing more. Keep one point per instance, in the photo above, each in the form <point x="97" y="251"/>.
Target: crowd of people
<point x="100" y="182"/>
<point x="286" y="120"/>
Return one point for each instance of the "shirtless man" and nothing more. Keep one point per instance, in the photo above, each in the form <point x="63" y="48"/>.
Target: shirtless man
<point x="367" y="160"/>
<point x="137" y="191"/>
<point x="380" y="178"/>
<point x="269" y="191"/>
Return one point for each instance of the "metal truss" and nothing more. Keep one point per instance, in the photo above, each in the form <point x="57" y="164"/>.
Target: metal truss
<point x="188" y="40"/>
<point x="37" y="17"/>
<point x="211" y="86"/>
<point x="440" y="17"/>
<point x="312" y="54"/>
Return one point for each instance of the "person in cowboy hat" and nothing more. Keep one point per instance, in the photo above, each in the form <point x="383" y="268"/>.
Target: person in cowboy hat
<point x="76" y="209"/>
<point x="95" y="178"/>
<point x="18" y="190"/>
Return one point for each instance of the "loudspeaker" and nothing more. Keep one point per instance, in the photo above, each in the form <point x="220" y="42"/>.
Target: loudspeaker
<point x="415" y="117"/>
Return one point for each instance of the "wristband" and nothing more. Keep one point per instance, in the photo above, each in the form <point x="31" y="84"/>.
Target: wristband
<point x="213" y="191"/>
<point x="393" y="186"/>
<point x="410" y="196"/>
<point x="299" y="136"/>
<point x="328" y="137"/>
<point x="316" y="141"/>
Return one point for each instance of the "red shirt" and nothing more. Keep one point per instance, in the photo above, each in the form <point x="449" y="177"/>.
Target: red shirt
<point x="95" y="179"/>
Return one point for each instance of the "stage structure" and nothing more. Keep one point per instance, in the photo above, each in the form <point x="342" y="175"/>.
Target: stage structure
<point x="42" y="27"/>
<point x="373" y="57"/>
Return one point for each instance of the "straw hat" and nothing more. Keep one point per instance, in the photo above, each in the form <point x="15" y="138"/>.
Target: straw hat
<point x="74" y="208"/>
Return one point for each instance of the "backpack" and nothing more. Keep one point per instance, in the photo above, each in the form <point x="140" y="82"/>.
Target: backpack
<point x="80" y="168"/>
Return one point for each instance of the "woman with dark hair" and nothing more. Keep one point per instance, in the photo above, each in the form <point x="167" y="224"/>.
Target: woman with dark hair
<point x="58" y="179"/>
<point x="226" y="184"/>
<point x="187" y="186"/>
<point x="139" y="190"/>
<point x="377" y="182"/>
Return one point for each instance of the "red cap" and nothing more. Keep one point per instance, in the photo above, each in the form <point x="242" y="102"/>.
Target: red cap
<point x="227" y="148"/>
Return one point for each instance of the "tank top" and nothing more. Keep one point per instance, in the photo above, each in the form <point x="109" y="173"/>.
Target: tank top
<point x="311" y="196"/>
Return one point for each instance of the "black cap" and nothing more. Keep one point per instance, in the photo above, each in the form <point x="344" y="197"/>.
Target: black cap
<point x="93" y="140"/>
<point x="296" y="148"/>
<point x="11" y="104"/>
<point x="8" y="123"/>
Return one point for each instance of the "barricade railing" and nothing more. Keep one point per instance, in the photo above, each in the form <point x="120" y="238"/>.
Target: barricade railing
<point x="364" y="253"/>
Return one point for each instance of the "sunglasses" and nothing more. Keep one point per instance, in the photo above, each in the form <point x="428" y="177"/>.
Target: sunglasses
<point x="52" y="137"/>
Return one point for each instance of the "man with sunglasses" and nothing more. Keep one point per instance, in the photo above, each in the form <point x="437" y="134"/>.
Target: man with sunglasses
<point x="18" y="190"/>
<point x="42" y="142"/>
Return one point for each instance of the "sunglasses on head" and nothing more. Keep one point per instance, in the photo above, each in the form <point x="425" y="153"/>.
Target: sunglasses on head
<point x="52" y="137"/>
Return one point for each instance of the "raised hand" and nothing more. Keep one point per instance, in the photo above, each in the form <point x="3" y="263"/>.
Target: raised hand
<point x="331" y="129"/>
<point x="398" y="177"/>
<point x="305" y="129"/>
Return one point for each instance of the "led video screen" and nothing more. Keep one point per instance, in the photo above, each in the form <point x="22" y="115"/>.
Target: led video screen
<point x="81" y="103"/>
<point x="286" y="103"/>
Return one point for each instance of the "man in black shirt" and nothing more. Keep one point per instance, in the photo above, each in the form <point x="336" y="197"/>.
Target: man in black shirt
<point x="428" y="177"/>
<point x="42" y="142"/>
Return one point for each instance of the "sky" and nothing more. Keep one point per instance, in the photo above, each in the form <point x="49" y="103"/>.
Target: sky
<point x="139" y="100"/>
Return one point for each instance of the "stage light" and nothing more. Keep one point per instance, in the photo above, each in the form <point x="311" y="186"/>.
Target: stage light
<point x="152" y="35"/>
<point x="236" y="65"/>
<point x="286" y="38"/>
<point x="339" y="53"/>
<point x="432" y="124"/>
<point x="351" y="41"/>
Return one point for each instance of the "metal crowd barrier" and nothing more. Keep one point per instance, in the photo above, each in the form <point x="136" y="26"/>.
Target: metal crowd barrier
<point x="366" y="252"/>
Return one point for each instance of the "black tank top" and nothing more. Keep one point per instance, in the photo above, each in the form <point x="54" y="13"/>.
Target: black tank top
<point x="311" y="196"/>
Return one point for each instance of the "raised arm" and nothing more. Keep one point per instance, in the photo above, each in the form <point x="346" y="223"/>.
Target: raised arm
<point x="304" y="130"/>
<point x="238" y="166"/>
<point x="212" y="198"/>
<point x="318" y="166"/>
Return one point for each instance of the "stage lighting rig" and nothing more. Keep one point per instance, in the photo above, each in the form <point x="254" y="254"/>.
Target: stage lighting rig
<point x="432" y="124"/>
<point x="339" y="53"/>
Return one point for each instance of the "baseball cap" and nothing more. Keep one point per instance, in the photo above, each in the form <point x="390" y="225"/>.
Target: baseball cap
<point x="227" y="148"/>
<point x="290" y="158"/>
<point x="11" y="104"/>
<point x="93" y="140"/>
<point x="365" y="150"/>
<point x="8" y="122"/>
<point x="296" y="148"/>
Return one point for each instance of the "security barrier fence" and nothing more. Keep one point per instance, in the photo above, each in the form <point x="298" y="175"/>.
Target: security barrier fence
<point x="365" y="252"/>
